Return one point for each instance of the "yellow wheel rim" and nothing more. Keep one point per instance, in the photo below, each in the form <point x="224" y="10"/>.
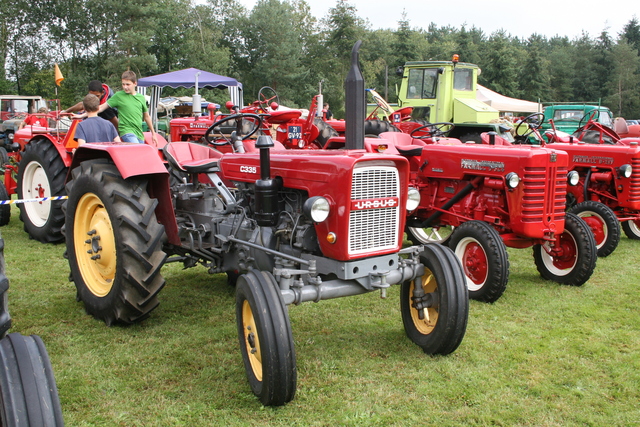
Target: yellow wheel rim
<point x="429" y="284"/>
<point x="95" y="246"/>
<point x="252" y="340"/>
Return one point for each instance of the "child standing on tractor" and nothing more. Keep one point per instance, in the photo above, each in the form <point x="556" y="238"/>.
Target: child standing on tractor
<point x="94" y="128"/>
<point x="132" y="110"/>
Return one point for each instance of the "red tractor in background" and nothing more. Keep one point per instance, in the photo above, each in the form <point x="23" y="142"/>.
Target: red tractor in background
<point x="609" y="175"/>
<point x="491" y="197"/>
<point x="36" y="169"/>
<point x="287" y="226"/>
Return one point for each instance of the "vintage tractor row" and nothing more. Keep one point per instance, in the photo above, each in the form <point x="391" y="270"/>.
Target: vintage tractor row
<point x="274" y="220"/>
<point x="609" y="175"/>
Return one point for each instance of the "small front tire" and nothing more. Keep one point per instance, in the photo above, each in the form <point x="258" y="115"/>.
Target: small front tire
<point x="446" y="300"/>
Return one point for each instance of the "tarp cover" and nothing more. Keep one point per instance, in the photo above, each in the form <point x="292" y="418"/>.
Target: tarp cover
<point x="504" y="103"/>
<point x="187" y="78"/>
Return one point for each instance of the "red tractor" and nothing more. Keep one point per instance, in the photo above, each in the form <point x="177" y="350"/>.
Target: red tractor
<point x="36" y="169"/>
<point x="492" y="197"/>
<point x="275" y="221"/>
<point x="609" y="176"/>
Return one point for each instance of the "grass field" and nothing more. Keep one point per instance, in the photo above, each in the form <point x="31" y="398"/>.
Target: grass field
<point x="542" y="355"/>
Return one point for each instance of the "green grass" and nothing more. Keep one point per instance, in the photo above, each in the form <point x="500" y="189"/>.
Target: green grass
<point x="542" y="355"/>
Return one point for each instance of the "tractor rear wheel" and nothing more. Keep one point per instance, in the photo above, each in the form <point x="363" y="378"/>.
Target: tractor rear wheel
<point x="576" y="258"/>
<point x="441" y="327"/>
<point x="632" y="229"/>
<point x="41" y="174"/>
<point x="266" y="341"/>
<point x="422" y="236"/>
<point x="603" y="223"/>
<point x="375" y="127"/>
<point x="4" y="156"/>
<point x="5" y="210"/>
<point x="114" y="243"/>
<point x="28" y="392"/>
<point x="484" y="259"/>
<point x="325" y="130"/>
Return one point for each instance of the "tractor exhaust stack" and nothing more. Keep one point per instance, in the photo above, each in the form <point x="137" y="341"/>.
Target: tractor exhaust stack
<point x="354" y="103"/>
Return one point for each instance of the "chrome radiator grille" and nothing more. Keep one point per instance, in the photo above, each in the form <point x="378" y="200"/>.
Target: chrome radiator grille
<point x="374" y="229"/>
<point x="634" y="188"/>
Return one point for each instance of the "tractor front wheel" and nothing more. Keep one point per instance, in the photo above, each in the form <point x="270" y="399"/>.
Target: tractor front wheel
<point x="114" y="243"/>
<point x="603" y="223"/>
<point x="422" y="236"/>
<point x="28" y="392"/>
<point x="41" y="174"/>
<point x="436" y="320"/>
<point x="572" y="258"/>
<point x="266" y="341"/>
<point x="484" y="259"/>
<point x="632" y="229"/>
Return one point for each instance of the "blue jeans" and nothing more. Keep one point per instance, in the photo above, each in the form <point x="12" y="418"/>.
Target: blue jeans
<point x="131" y="137"/>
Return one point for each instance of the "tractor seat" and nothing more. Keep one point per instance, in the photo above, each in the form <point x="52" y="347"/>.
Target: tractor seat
<point x="620" y="126"/>
<point x="191" y="157"/>
<point x="486" y="139"/>
<point x="284" y="116"/>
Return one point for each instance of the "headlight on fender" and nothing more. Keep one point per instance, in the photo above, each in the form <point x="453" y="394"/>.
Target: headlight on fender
<point x="625" y="170"/>
<point x="316" y="208"/>
<point x="413" y="199"/>
<point x="573" y="178"/>
<point x="512" y="180"/>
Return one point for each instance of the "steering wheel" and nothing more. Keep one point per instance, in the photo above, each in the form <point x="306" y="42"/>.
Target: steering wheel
<point x="229" y="134"/>
<point x="264" y="99"/>
<point x="590" y="116"/>
<point x="533" y="123"/>
<point x="433" y="129"/>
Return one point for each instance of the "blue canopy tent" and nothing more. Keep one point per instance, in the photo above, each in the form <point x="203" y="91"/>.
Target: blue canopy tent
<point x="189" y="77"/>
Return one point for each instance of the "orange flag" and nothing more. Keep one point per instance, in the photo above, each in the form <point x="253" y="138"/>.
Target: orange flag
<point x="57" y="74"/>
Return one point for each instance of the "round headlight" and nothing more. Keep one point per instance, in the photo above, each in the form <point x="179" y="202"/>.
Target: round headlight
<point x="573" y="178"/>
<point x="10" y="136"/>
<point x="413" y="199"/>
<point x="316" y="208"/>
<point x="626" y="170"/>
<point x="512" y="180"/>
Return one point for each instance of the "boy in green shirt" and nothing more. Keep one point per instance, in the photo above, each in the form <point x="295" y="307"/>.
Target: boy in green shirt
<point x="132" y="110"/>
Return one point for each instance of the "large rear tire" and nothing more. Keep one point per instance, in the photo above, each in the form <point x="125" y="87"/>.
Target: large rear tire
<point x="375" y="127"/>
<point x="484" y="259"/>
<point x="603" y="224"/>
<point x="577" y="258"/>
<point x="28" y="392"/>
<point x="114" y="243"/>
<point x="266" y="341"/>
<point x="42" y="173"/>
<point x="446" y="302"/>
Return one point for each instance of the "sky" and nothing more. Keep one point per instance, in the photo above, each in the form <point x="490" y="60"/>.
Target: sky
<point x="521" y="19"/>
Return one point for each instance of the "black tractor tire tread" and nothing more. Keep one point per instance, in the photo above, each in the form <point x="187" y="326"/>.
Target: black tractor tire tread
<point x="138" y="281"/>
<point x="610" y="221"/>
<point x="375" y="127"/>
<point x="43" y="151"/>
<point x="325" y="132"/>
<point x="453" y="315"/>
<point x="28" y="391"/>
<point x="587" y="254"/>
<point x="497" y="257"/>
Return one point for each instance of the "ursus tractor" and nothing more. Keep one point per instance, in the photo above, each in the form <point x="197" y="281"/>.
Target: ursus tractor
<point x="286" y="226"/>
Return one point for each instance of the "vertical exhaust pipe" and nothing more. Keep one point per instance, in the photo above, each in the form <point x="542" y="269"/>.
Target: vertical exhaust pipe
<point x="355" y="105"/>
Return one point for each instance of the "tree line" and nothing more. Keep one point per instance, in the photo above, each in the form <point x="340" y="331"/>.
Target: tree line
<point x="278" y="43"/>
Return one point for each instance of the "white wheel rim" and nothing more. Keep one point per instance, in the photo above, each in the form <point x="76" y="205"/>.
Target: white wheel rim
<point x="432" y="234"/>
<point x="547" y="260"/>
<point x="460" y="251"/>
<point x="35" y="184"/>
<point x="605" y="229"/>
<point x="633" y="227"/>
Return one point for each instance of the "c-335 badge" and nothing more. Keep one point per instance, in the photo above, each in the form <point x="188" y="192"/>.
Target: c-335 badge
<point x="553" y="157"/>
